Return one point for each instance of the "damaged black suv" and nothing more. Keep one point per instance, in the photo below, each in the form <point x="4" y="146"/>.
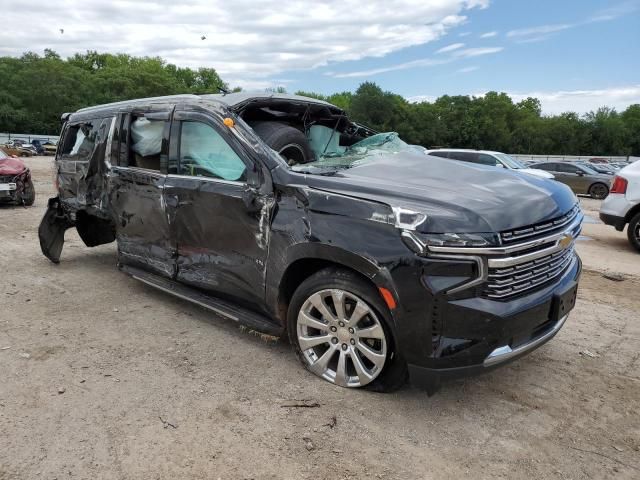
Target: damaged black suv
<point x="278" y="212"/>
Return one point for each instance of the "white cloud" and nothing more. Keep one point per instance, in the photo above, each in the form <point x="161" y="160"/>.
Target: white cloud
<point x="246" y="40"/>
<point x="540" y="30"/>
<point x="464" y="34"/>
<point x="423" y="62"/>
<point x="583" y="101"/>
<point x="450" y="48"/>
<point x="579" y="101"/>
<point x="468" y="69"/>
<point x="476" y="52"/>
<point x="489" y="34"/>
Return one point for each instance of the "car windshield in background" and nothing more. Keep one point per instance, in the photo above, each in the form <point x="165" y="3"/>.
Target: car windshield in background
<point x="3" y="155"/>
<point x="587" y="169"/>
<point x="510" y="162"/>
<point x="359" y="153"/>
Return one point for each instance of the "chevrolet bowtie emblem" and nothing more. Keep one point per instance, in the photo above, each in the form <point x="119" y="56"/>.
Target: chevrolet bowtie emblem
<point x="566" y="241"/>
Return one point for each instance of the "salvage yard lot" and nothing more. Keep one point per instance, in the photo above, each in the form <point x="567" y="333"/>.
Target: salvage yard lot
<point x="104" y="377"/>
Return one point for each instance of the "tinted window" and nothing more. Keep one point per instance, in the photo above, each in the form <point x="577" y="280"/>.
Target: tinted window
<point x="204" y="152"/>
<point x="439" y="154"/>
<point x="567" y="168"/>
<point x="549" y="167"/>
<point x="464" y="156"/>
<point x="485" y="159"/>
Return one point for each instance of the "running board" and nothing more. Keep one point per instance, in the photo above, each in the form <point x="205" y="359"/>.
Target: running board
<point x="246" y="317"/>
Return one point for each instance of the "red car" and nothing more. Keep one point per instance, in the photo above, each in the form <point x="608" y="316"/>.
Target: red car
<point x="15" y="181"/>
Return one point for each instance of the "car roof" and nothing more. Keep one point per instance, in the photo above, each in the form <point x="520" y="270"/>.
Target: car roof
<point x="231" y="100"/>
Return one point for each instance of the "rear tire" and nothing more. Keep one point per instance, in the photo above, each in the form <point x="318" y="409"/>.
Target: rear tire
<point x="599" y="191"/>
<point x="358" y="352"/>
<point x="28" y="196"/>
<point x="288" y="141"/>
<point x="633" y="232"/>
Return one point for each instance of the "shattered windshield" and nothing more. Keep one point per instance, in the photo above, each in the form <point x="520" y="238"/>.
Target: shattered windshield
<point x="359" y="153"/>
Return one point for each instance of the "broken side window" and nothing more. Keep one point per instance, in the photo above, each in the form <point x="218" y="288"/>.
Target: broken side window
<point x="204" y="152"/>
<point x="79" y="141"/>
<point x="146" y="143"/>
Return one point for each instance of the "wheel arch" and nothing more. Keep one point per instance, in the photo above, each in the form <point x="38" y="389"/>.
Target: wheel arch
<point x="633" y="211"/>
<point x="305" y="260"/>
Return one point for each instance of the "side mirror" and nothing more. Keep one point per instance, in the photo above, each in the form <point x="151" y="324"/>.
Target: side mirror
<point x="499" y="165"/>
<point x="580" y="173"/>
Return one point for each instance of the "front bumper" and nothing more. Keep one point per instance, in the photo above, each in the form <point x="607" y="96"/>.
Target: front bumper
<point x="475" y="335"/>
<point x="8" y="192"/>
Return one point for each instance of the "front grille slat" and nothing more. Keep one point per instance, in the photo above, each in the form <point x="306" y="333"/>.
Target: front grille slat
<point x="511" y="236"/>
<point x="503" y="284"/>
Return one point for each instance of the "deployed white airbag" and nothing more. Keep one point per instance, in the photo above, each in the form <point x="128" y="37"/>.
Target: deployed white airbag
<point x="146" y="136"/>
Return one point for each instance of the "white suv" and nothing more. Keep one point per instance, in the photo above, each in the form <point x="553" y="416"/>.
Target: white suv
<point x="622" y="206"/>
<point x="487" y="157"/>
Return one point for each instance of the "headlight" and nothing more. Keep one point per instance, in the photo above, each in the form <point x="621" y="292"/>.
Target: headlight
<point x="420" y="242"/>
<point x="460" y="239"/>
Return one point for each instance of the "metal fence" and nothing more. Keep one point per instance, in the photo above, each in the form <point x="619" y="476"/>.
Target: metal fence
<point x="27" y="137"/>
<point x="572" y="158"/>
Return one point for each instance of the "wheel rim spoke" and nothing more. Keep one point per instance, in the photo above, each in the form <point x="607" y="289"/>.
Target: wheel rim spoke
<point x="374" y="331"/>
<point x="359" y="312"/>
<point x="317" y="301"/>
<point x="307" y="320"/>
<point x="309" y="342"/>
<point x="338" y="303"/>
<point x="341" y="370"/>
<point x="320" y="365"/>
<point x="375" y="357"/>
<point x="361" y="370"/>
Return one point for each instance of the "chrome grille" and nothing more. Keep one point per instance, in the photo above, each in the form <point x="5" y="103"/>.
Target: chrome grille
<point x="517" y="234"/>
<point x="522" y="277"/>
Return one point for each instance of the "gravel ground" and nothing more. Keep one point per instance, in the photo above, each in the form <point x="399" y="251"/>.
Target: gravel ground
<point x="104" y="377"/>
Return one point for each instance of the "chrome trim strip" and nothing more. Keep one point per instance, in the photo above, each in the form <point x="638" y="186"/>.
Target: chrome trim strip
<point x="511" y="248"/>
<point x="528" y="257"/>
<point x="206" y="179"/>
<point x="504" y="353"/>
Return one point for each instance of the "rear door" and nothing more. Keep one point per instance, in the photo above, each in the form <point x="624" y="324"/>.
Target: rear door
<point x="221" y="238"/>
<point x="570" y="175"/>
<point x="136" y="187"/>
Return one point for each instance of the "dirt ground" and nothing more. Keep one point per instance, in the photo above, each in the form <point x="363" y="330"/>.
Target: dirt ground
<point x="102" y="377"/>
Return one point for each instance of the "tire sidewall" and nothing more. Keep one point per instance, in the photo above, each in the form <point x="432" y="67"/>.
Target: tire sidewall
<point x="633" y="225"/>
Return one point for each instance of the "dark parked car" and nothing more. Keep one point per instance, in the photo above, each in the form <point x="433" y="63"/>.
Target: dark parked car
<point x="378" y="262"/>
<point x="580" y="177"/>
<point x="16" y="185"/>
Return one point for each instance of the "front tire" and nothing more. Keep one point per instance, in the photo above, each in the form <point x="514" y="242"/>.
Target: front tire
<point x="633" y="232"/>
<point x="28" y="196"/>
<point x="599" y="191"/>
<point x="339" y="327"/>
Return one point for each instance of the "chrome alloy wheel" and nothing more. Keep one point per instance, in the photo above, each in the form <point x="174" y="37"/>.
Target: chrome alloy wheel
<point x="341" y="338"/>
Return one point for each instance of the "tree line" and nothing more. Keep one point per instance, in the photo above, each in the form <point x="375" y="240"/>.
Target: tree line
<point x="35" y="90"/>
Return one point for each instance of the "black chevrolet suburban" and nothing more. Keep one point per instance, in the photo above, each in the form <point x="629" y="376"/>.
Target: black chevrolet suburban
<point x="282" y="214"/>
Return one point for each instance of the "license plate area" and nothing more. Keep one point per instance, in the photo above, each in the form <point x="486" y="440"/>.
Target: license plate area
<point x="6" y="187"/>
<point x="564" y="302"/>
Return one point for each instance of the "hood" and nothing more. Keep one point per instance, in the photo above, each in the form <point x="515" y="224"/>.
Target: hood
<point x="537" y="172"/>
<point x="11" y="166"/>
<point x="457" y="197"/>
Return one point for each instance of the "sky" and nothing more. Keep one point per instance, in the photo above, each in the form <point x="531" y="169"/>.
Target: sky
<point x="574" y="55"/>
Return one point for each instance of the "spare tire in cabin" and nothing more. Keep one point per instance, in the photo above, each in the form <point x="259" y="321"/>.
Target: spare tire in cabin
<point x="288" y="141"/>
